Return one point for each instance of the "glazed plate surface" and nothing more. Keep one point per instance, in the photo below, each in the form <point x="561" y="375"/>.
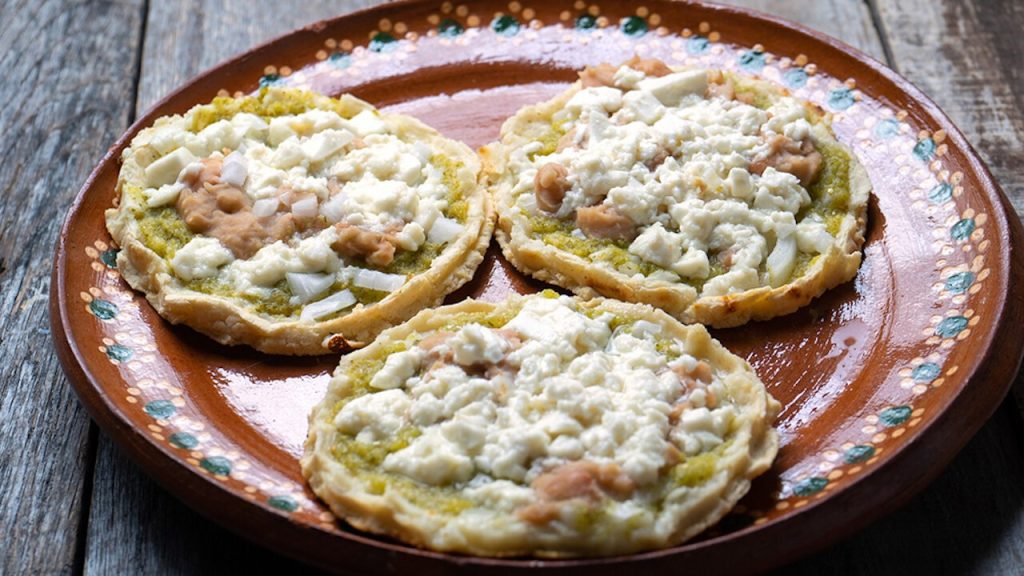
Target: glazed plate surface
<point x="882" y="379"/>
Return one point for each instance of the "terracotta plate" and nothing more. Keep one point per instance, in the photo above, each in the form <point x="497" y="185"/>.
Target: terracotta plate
<point x="883" y="379"/>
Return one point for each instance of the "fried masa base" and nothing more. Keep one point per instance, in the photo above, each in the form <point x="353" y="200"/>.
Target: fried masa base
<point x="684" y="513"/>
<point x="588" y="279"/>
<point x="230" y="322"/>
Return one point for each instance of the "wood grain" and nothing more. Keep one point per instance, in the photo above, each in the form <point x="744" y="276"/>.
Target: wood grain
<point x="64" y="102"/>
<point x="849" y="21"/>
<point x="186" y="37"/>
<point x="135" y="526"/>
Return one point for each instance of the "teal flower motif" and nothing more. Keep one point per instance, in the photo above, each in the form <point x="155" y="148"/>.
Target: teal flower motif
<point x="340" y="59"/>
<point x="103" y="309"/>
<point x="810" y="486"/>
<point x="216" y="465"/>
<point x="959" y="283"/>
<point x="752" y="60"/>
<point x="859" y="453"/>
<point x="118" y="352"/>
<point x="586" y="22"/>
<point x="286" y="503"/>
<point x="698" y="45"/>
<point x="942" y="192"/>
<point x="268" y="80"/>
<point x="841" y="99"/>
<point x="109" y="257"/>
<point x="634" y="26"/>
<point x="449" y="28"/>
<point x="887" y="128"/>
<point x="184" y="440"/>
<point x="160" y="409"/>
<point x="894" y="416"/>
<point x="382" y="42"/>
<point x="962" y="230"/>
<point x="950" y="327"/>
<point x="795" y="78"/>
<point x="505" y="25"/>
<point x="924" y="149"/>
<point x="926" y="372"/>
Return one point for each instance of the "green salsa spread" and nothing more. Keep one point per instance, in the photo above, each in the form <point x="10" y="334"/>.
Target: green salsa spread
<point x="362" y="458"/>
<point x="549" y="140"/>
<point x="267" y="104"/>
<point x="457" y="208"/>
<point x="163" y="231"/>
<point x="830" y="199"/>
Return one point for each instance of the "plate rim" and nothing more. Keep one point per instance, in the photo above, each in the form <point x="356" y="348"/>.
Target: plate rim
<point x="956" y="424"/>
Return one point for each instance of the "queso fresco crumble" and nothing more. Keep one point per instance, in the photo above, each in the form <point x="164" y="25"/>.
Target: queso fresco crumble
<point x="544" y="420"/>
<point x="293" y="202"/>
<point x="692" y="176"/>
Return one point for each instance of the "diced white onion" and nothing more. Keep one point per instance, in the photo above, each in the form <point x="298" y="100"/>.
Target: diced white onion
<point x="305" y="208"/>
<point x="333" y="209"/>
<point x="782" y="260"/>
<point x="265" y="207"/>
<point x="234" y="172"/>
<point x="165" y="170"/>
<point x="375" y="280"/>
<point x="443" y="230"/>
<point x="306" y="286"/>
<point x="329" y="305"/>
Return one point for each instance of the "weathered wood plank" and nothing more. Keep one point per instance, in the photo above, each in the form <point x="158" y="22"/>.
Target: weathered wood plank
<point x="135" y="527"/>
<point x="186" y="37"/>
<point x="138" y="528"/>
<point x="847" y="20"/>
<point x="66" y="93"/>
<point x="966" y="56"/>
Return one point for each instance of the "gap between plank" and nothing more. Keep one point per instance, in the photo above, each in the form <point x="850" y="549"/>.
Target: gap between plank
<point x="883" y="37"/>
<point x="138" y="62"/>
<point x="82" y="532"/>
<point x="92" y="442"/>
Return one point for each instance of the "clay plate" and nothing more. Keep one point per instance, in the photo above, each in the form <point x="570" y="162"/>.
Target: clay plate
<point x="883" y="380"/>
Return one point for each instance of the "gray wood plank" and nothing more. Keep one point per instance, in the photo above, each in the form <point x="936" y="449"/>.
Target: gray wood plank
<point x="847" y="20"/>
<point x="135" y="527"/>
<point x="188" y="36"/>
<point x="138" y="528"/>
<point x="66" y="93"/>
<point x="966" y="56"/>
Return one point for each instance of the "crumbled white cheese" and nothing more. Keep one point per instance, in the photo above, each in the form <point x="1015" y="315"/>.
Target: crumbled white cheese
<point x="359" y="172"/>
<point x="398" y="368"/>
<point x="560" y="387"/>
<point x="678" y="164"/>
<point x="475" y="344"/>
<point x="373" y="417"/>
<point x="200" y="258"/>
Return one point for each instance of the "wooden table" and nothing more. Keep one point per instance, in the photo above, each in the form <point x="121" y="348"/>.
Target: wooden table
<point x="75" y="74"/>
